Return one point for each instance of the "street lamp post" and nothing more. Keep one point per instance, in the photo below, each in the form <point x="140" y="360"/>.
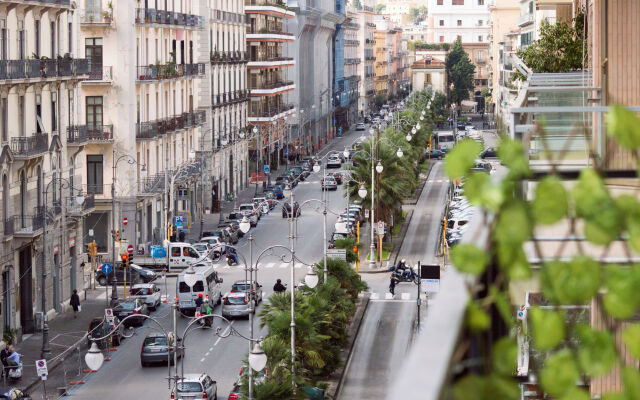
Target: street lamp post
<point x="223" y="142"/>
<point x="258" y="155"/>
<point x="130" y="160"/>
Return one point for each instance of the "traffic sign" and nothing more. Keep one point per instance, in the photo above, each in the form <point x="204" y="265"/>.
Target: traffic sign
<point x="108" y="313"/>
<point x="366" y="213"/>
<point x="125" y="221"/>
<point x="41" y="369"/>
<point x="106" y="268"/>
<point x="178" y="221"/>
<point x="430" y="278"/>
<point x="130" y="249"/>
<point x="266" y="169"/>
<point x="286" y="152"/>
<point x="340" y="254"/>
<point x="380" y="227"/>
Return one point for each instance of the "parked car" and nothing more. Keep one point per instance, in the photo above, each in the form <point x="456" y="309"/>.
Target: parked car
<point x="252" y="208"/>
<point x="202" y="248"/>
<point x="435" y="154"/>
<point x="236" y="392"/>
<point x="360" y="126"/>
<point x="490" y="152"/>
<point x="233" y="236"/>
<point x="195" y="386"/>
<point x="147" y="292"/>
<point x="482" y="166"/>
<point x="7" y="393"/>
<point x="251" y="216"/>
<point x="334" y="162"/>
<point x="236" y="305"/>
<point x="336" y="236"/>
<point x="155" y="349"/>
<point x="286" y="209"/>
<point x="135" y="273"/>
<point x="328" y="183"/>
<point x="277" y="190"/>
<point x="135" y="307"/>
<point x="216" y="246"/>
<point x="337" y="176"/>
<point x="243" y="286"/>
<point x="98" y="328"/>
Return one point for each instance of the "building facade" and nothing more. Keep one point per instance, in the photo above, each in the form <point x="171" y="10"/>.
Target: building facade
<point x="503" y="18"/>
<point x="41" y="68"/>
<point x="367" y="41"/>
<point x="349" y="91"/>
<point x="452" y="19"/>
<point x="429" y="73"/>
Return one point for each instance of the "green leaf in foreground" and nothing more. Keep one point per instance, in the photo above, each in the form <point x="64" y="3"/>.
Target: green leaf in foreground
<point x="560" y="373"/>
<point x="624" y="125"/>
<point x="631" y="337"/>
<point x="548" y="328"/>
<point x="470" y="259"/>
<point x="514" y="225"/>
<point x="505" y="356"/>
<point x="573" y="282"/>
<point x="550" y="204"/>
<point x="481" y="191"/>
<point x="513" y="261"/>
<point x="461" y="158"/>
<point x="575" y="393"/>
<point x="589" y="193"/>
<point x="623" y="297"/>
<point x="631" y="380"/>
<point x="512" y="154"/>
<point x="477" y="319"/>
<point x="597" y="353"/>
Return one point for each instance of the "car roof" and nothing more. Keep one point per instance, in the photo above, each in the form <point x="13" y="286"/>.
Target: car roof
<point x="236" y="294"/>
<point x="193" y="377"/>
<point x="142" y="285"/>
<point x="157" y="334"/>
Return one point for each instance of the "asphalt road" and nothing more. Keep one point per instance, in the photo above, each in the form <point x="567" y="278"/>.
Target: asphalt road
<point x="123" y="378"/>
<point x="387" y="329"/>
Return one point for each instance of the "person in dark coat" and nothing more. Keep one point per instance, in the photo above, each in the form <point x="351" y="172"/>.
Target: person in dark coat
<point x="392" y="285"/>
<point x="75" y="303"/>
<point x="181" y="235"/>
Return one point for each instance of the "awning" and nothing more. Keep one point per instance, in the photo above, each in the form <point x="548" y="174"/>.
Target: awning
<point x="468" y="104"/>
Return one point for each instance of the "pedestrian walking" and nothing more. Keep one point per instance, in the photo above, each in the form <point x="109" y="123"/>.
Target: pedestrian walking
<point x="181" y="235"/>
<point x="75" y="303"/>
<point x="392" y="285"/>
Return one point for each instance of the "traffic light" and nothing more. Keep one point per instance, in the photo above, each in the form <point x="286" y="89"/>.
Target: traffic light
<point x="170" y="231"/>
<point x="93" y="249"/>
<point x="125" y="260"/>
<point x="117" y="234"/>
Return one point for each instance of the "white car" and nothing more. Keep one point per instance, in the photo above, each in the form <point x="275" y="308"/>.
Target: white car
<point x="360" y="126"/>
<point x="334" y="162"/>
<point x="147" y="292"/>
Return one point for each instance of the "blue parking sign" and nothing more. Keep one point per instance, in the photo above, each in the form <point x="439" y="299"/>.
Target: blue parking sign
<point x="178" y="222"/>
<point x="266" y="169"/>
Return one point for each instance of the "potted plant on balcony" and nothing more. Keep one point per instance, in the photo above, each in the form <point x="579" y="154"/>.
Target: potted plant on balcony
<point x="106" y="16"/>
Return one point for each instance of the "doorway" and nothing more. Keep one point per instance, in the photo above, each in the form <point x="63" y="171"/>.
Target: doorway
<point x="26" y="291"/>
<point x="7" y="290"/>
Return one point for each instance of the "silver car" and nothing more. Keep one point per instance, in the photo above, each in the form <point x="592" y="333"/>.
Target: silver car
<point x="195" y="386"/>
<point x="155" y="350"/>
<point x="328" y="183"/>
<point x="236" y="305"/>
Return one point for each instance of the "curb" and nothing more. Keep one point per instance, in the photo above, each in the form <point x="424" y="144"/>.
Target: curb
<point x="355" y="330"/>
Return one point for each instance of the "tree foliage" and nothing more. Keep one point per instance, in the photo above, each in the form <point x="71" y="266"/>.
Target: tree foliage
<point x="460" y="72"/>
<point x="559" y="49"/>
<point x="380" y="8"/>
<point x="565" y="349"/>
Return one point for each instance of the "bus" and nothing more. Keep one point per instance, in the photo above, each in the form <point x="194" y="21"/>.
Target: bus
<point x="445" y="140"/>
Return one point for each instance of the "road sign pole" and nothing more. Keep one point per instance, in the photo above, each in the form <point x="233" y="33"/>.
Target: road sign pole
<point x="418" y="298"/>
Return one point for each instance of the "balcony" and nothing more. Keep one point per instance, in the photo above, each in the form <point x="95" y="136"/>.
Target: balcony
<point x="78" y="135"/>
<point x="269" y="7"/>
<point x="149" y="130"/>
<point x="168" y="71"/>
<point x="229" y="57"/>
<point x="226" y="16"/>
<point x="351" y="25"/>
<point x="162" y="17"/>
<point x="27" y="147"/>
<point x="44" y="3"/>
<point x="9" y="226"/>
<point x="96" y="18"/>
<point x="351" y="61"/>
<point x="271" y="62"/>
<point x="351" y="42"/>
<point x="151" y="185"/>
<point x="267" y="113"/>
<point x="26" y="70"/>
<point x="224" y="99"/>
<point x="74" y="209"/>
<point x="100" y="76"/>
<point x="28" y="226"/>
<point x="481" y="60"/>
<point x="525" y="20"/>
<point x="273" y="87"/>
<point x="270" y="34"/>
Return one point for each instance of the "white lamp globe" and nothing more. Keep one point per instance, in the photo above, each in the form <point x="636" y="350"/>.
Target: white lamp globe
<point x="423" y="112"/>
<point x="245" y="225"/>
<point x="362" y="192"/>
<point x="255" y="129"/>
<point x="379" y="167"/>
<point x="418" y="125"/>
<point x="316" y="168"/>
<point x="408" y="137"/>
<point x="257" y="358"/>
<point x="345" y="153"/>
<point x="190" y="277"/>
<point x="192" y="154"/>
<point x="399" y="153"/>
<point x="422" y="118"/>
<point x="94" y="357"/>
<point x="79" y="199"/>
<point x="413" y="130"/>
<point x="311" y="279"/>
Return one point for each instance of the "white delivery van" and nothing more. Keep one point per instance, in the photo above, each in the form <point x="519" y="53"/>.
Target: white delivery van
<point x="177" y="256"/>
<point x="207" y="283"/>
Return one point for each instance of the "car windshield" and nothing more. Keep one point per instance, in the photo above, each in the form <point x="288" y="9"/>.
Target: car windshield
<point x="189" y="387"/>
<point x="200" y="247"/>
<point x="127" y="305"/>
<point x="235" y="300"/>
<point x="240" y="287"/>
<point x="155" y="341"/>
<point x="140" y="291"/>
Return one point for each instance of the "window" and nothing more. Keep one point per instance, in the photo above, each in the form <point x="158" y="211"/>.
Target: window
<point x="457" y="2"/>
<point x="198" y="286"/>
<point x="479" y="22"/>
<point x="4" y="120"/>
<point x="37" y="34"/>
<point x="3" y="42"/>
<point x="94" y="174"/>
<point x="440" y="2"/>
<point x="54" y="111"/>
<point x="39" y="127"/>
<point x="480" y="2"/>
<point x="459" y="22"/>
<point x="70" y="34"/>
<point x="441" y="22"/>
<point x="531" y="7"/>
<point x="441" y="39"/>
<point x="53" y="40"/>
<point x="479" y="38"/>
<point x="175" y="251"/>
<point x="94" y="111"/>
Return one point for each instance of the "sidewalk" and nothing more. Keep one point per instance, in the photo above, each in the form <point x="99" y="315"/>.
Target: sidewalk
<point x="68" y="347"/>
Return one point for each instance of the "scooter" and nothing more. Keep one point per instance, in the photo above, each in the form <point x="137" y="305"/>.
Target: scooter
<point x="15" y="373"/>
<point x="205" y="322"/>
<point x="408" y="275"/>
<point x="232" y="259"/>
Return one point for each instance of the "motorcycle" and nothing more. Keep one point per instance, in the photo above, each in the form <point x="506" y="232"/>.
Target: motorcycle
<point x="232" y="258"/>
<point x="205" y="322"/>
<point x="406" y="275"/>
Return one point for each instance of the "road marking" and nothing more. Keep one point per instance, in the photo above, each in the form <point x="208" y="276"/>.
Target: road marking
<point x="298" y="265"/>
<point x="207" y="354"/>
<point x="202" y="359"/>
<point x="405" y="296"/>
<point x="283" y="265"/>
<point x="270" y="265"/>
<point x="210" y="348"/>
<point x="375" y="296"/>
<point x="391" y="300"/>
<point x="388" y="296"/>
<point x="226" y="331"/>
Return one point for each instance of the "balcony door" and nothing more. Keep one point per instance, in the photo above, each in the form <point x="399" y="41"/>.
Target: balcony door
<point x="93" y="52"/>
<point x="94" y="115"/>
<point x="94" y="9"/>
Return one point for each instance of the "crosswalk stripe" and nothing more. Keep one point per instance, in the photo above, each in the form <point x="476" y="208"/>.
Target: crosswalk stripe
<point x="283" y="265"/>
<point x="375" y="296"/>
<point x="405" y="296"/>
<point x="270" y="265"/>
<point x="388" y="296"/>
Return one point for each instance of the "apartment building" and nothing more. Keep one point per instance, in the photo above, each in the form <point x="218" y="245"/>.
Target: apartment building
<point x="503" y="18"/>
<point x="398" y="11"/>
<point x="429" y="73"/>
<point x="367" y="41"/>
<point x="314" y="27"/>
<point x="383" y="66"/>
<point x="452" y="19"/>
<point x="270" y="77"/>
<point x="479" y="56"/>
<point x="224" y="95"/>
<point x="139" y="124"/>
<point x="349" y="89"/>
<point x="41" y="68"/>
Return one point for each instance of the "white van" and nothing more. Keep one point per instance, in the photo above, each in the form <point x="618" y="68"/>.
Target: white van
<point x="207" y="283"/>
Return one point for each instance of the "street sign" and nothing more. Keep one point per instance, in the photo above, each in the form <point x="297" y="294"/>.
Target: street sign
<point x="340" y="254"/>
<point x="41" y="369"/>
<point x="125" y="221"/>
<point x="380" y="227"/>
<point x="106" y="268"/>
<point x="430" y="278"/>
<point x="266" y="169"/>
<point x="366" y="213"/>
<point x="286" y="152"/>
<point x="178" y="221"/>
<point x="108" y="313"/>
<point x="130" y="249"/>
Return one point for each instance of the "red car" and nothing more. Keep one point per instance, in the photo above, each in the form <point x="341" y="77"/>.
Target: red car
<point x="337" y="176"/>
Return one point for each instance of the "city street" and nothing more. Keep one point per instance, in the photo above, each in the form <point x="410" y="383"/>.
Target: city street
<point x="123" y="377"/>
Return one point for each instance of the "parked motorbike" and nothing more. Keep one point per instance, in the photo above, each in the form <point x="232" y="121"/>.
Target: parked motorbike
<point x="15" y="373"/>
<point x="406" y="275"/>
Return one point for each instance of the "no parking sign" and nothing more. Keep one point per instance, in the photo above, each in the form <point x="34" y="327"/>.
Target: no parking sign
<point x="41" y="369"/>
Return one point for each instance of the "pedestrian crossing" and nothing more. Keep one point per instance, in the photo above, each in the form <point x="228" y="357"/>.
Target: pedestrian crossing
<point x="406" y="296"/>
<point x="438" y="180"/>
<point x="270" y="265"/>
